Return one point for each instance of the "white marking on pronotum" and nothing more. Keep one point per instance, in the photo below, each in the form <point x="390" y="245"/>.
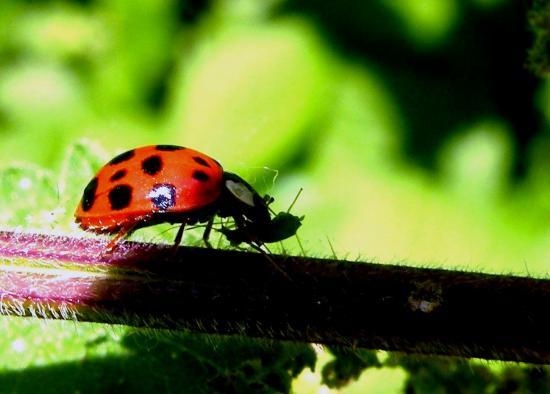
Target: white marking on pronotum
<point x="240" y="191"/>
<point x="162" y="196"/>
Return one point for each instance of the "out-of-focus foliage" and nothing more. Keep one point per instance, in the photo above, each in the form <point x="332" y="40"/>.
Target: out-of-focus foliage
<point x="265" y="85"/>
<point x="539" y="54"/>
<point x="415" y="129"/>
<point x="347" y="365"/>
<point x="104" y="359"/>
<point x="28" y="197"/>
<point x="436" y="374"/>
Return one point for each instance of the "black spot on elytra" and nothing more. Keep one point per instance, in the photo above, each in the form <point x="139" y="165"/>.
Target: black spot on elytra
<point x="122" y="157"/>
<point x="200" y="176"/>
<point x="151" y="165"/>
<point x="201" y="161"/>
<point x="168" y="147"/>
<point x="120" y="196"/>
<point x="88" y="197"/>
<point x="118" y="175"/>
<point x="163" y="196"/>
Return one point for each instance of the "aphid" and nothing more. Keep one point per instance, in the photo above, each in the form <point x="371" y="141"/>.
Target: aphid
<point x="167" y="183"/>
<point x="283" y="225"/>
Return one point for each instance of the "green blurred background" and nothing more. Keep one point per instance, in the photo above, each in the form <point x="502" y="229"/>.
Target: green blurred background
<point x="414" y="127"/>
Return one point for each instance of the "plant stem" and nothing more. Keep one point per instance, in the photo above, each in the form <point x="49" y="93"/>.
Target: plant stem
<point x="356" y="304"/>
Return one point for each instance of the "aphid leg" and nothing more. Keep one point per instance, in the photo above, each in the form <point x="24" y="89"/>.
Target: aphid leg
<point x="268" y="201"/>
<point x="207" y="230"/>
<point x="179" y="235"/>
<point x="268" y="257"/>
<point x="282" y="247"/>
<point x="123" y="232"/>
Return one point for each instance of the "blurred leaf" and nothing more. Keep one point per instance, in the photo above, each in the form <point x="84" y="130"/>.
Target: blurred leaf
<point x="427" y="23"/>
<point x="348" y="365"/>
<point x="249" y="96"/>
<point x="365" y="122"/>
<point x="540" y="170"/>
<point x="143" y="361"/>
<point x="379" y="381"/>
<point x="28" y="343"/>
<point x="249" y="365"/>
<point x="81" y="163"/>
<point x="40" y="95"/>
<point x="28" y="197"/>
<point x="140" y="40"/>
<point x="444" y="375"/>
<point x="476" y="162"/>
<point x="62" y="32"/>
<point x="9" y="11"/>
<point x="539" y="22"/>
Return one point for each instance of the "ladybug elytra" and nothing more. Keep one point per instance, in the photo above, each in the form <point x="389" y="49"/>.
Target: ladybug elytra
<point x="168" y="183"/>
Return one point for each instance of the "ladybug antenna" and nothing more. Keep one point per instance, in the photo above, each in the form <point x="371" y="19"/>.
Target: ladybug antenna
<point x="295" y="199"/>
<point x="268" y="201"/>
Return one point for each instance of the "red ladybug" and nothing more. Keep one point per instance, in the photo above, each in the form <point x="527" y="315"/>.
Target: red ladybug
<point x="168" y="183"/>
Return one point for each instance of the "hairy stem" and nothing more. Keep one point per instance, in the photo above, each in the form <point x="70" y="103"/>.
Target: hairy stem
<point x="416" y="310"/>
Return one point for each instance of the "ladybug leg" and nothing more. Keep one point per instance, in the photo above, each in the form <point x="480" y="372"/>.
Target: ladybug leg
<point x="123" y="232"/>
<point x="245" y="234"/>
<point x="207" y="230"/>
<point x="179" y="235"/>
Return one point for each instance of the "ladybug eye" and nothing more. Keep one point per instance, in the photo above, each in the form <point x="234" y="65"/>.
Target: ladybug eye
<point x="240" y="191"/>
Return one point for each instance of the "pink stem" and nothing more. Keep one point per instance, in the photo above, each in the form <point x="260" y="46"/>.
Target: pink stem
<point x="39" y="269"/>
<point x="89" y="251"/>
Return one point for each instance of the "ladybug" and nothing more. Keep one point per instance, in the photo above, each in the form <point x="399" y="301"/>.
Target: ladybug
<point x="167" y="183"/>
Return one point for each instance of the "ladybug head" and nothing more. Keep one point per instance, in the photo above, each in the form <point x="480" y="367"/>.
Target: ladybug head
<point x="239" y="199"/>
